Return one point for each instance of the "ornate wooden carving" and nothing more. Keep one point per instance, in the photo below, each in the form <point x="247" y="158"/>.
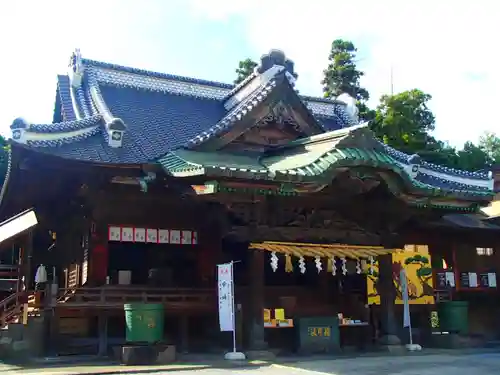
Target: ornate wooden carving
<point x="277" y="128"/>
<point x="271" y="221"/>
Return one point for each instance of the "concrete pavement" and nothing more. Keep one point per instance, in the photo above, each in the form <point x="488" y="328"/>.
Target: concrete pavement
<point x="442" y="364"/>
<point x="438" y="364"/>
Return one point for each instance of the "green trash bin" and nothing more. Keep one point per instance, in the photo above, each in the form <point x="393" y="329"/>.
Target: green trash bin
<point x="144" y="322"/>
<point x="454" y="316"/>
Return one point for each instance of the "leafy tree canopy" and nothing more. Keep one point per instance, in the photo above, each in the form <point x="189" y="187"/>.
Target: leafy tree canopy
<point x="245" y="68"/>
<point x="342" y="76"/>
<point x="489" y="143"/>
<point x="404" y="121"/>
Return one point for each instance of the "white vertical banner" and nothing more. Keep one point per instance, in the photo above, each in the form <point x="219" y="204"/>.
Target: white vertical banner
<point x="226" y="298"/>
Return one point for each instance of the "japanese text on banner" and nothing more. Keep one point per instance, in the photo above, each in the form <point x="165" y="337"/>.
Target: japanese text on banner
<point x="225" y="288"/>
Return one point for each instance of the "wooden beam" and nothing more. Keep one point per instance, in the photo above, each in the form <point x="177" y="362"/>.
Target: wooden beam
<point x="302" y="234"/>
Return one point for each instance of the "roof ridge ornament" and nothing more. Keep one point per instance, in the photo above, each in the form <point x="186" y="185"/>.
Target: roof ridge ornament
<point x="276" y="57"/>
<point x="351" y="106"/>
<point x="76" y="68"/>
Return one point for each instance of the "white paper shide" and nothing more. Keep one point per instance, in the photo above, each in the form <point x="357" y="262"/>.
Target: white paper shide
<point x="225" y="287"/>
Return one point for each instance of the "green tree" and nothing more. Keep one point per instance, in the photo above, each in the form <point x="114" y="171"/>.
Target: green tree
<point x="472" y="157"/>
<point x="343" y="76"/>
<point x="489" y="143"/>
<point x="404" y="121"/>
<point x="245" y="68"/>
<point x="439" y="152"/>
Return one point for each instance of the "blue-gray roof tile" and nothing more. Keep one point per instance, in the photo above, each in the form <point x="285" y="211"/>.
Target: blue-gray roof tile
<point x="162" y="112"/>
<point x="64" y="88"/>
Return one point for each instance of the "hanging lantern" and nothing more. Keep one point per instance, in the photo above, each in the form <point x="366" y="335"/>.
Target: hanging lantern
<point x="274" y="261"/>
<point x="344" y="266"/>
<point x="319" y="266"/>
<point x="288" y="264"/>
<point x="358" y="266"/>
<point x="302" y="265"/>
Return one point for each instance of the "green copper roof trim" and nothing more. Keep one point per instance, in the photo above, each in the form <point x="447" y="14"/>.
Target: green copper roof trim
<point x="186" y="163"/>
<point x="292" y="167"/>
<point x="287" y="190"/>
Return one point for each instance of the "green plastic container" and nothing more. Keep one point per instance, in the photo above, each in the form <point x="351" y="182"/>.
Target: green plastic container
<point x="454" y="316"/>
<point x="144" y="322"/>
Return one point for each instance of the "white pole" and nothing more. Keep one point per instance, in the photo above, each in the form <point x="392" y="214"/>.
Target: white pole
<point x="411" y="335"/>
<point x="406" y="303"/>
<point x="233" y="307"/>
<point x="234" y="355"/>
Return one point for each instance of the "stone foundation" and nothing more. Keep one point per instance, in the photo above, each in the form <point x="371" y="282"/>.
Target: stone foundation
<point x="154" y="354"/>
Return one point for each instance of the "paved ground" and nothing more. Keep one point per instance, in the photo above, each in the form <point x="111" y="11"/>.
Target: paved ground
<point x="486" y="364"/>
<point x="442" y="364"/>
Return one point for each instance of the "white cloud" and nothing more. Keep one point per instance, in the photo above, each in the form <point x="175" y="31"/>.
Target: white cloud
<point x="446" y="48"/>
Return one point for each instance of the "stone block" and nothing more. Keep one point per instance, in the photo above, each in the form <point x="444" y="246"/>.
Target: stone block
<point x="166" y="354"/>
<point x="20" y="350"/>
<point x="139" y="355"/>
<point x="16" y="331"/>
<point x="5" y="348"/>
<point x="146" y="354"/>
<point x="21" y="346"/>
<point x="6" y="341"/>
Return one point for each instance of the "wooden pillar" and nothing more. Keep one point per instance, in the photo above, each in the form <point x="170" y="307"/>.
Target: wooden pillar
<point x="256" y="276"/>
<point x="28" y="253"/>
<point x="387" y="291"/>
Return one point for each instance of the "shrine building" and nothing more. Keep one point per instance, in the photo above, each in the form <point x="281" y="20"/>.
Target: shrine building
<point x="145" y="181"/>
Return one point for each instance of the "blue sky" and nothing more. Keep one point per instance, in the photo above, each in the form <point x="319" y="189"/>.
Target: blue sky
<point x="447" y="48"/>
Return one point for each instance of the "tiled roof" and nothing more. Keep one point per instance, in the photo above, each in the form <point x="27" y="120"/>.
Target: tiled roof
<point x="162" y="121"/>
<point x="161" y="112"/>
<point x="235" y="114"/>
<point x="63" y="88"/>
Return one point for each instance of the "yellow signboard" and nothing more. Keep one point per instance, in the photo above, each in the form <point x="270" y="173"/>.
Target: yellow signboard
<point x="417" y="265"/>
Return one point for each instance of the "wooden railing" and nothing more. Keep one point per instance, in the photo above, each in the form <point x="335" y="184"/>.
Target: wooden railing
<point x="72" y="276"/>
<point x="117" y="296"/>
<point x="11" y="307"/>
<point x="9" y="271"/>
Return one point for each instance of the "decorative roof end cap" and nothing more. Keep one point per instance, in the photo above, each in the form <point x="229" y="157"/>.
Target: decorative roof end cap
<point x="413" y="167"/>
<point x="76" y="68"/>
<point x="116" y="129"/>
<point x="414" y="159"/>
<point x="116" y="124"/>
<point x="115" y="138"/>
<point x="19" y="123"/>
